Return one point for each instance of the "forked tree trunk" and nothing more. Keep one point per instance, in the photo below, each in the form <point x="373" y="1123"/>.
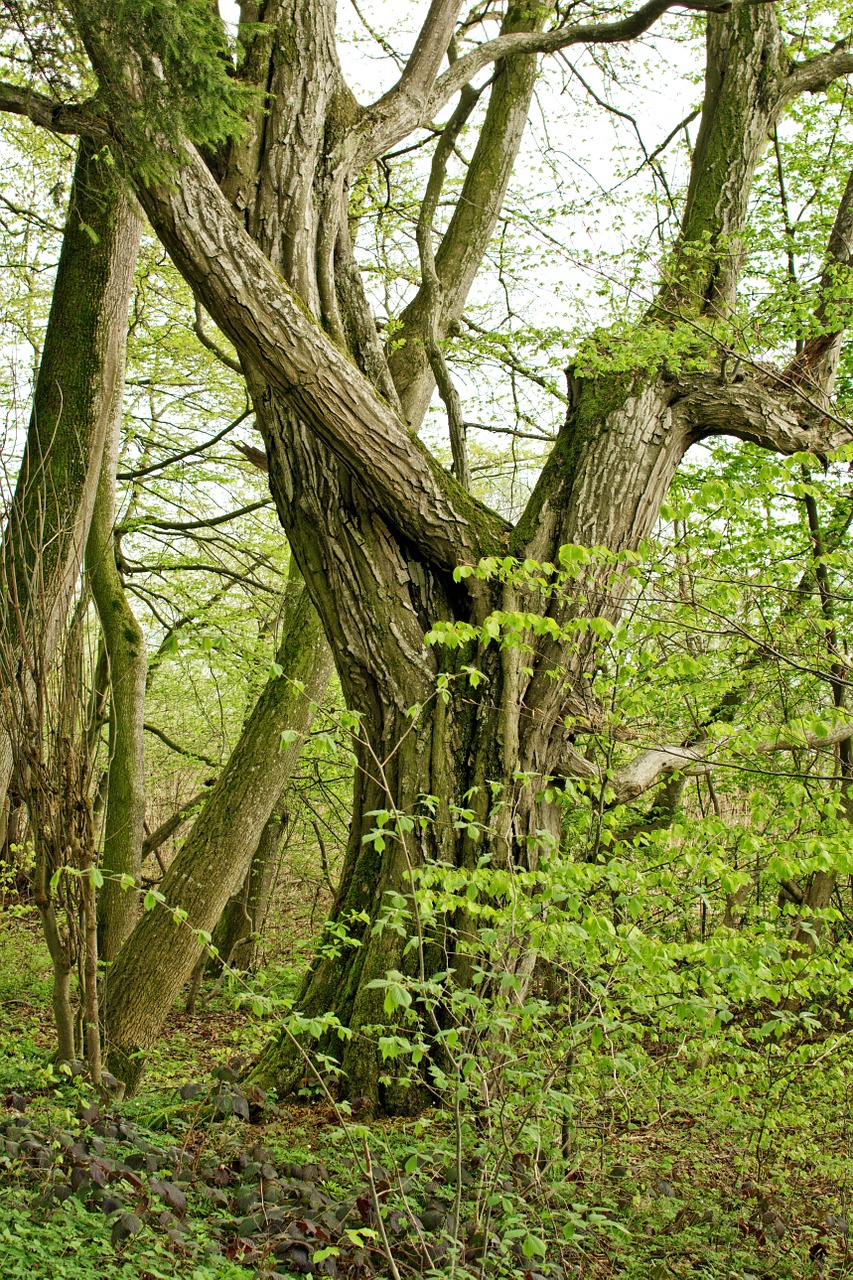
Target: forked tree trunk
<point x="495" y="745"/>
<point x="377" y="527"/>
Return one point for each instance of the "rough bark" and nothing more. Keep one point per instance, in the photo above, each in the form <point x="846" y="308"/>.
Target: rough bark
<point x="48" y="523"/>
<point x="157" y="959"/>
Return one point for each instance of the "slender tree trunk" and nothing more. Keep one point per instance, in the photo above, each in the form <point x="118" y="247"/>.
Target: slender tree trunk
<point x="118" y="908"/>
<point x="43" y="541"/>
<point x="63" y="1011"/>
<point x="375" y="524"/>
<point x="237" y="935"/>
<point x="159" y="956"/>
<point x="89" y="1003"/>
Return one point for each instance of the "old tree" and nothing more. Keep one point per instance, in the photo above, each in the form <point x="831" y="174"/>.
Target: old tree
<point x="250" y="166"/>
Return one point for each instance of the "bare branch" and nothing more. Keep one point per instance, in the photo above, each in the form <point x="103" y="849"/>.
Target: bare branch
<point x="181" y="751"/>
<point x="161" y="834"/>
<point x="186" y="453"/>
<point x="767" y="410"/>
<point x="213" y="347"/>
<point x="650" y="767"/>
<point x="187" y="526"/>
<point x="58" y="117"/>
<point x="817" y="73"/>
<point x="395" y="115"/>
<point x="253" y="454"/>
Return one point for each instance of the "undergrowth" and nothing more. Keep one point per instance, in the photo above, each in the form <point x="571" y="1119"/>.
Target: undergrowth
<point x="691" y="1168"/>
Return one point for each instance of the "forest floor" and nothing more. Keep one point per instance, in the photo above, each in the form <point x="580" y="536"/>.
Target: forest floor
<point x="204" y="1178"/>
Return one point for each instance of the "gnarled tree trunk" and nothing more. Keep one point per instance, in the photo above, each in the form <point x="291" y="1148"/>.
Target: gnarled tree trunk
<point x="376" y="525"/>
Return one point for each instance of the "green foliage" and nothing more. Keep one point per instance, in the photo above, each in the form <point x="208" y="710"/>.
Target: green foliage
<point x="175" y="66"/>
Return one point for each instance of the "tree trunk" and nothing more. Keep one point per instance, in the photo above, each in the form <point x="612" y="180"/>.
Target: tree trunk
<point x="376" y="526"/>
<point x="80" y="369"/>
<point x="237" y="935"/>
<point x="160" y="954"/>
<point x="118" y="908"/>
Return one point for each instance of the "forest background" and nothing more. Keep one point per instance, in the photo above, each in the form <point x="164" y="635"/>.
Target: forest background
<point x="574" y="803"/>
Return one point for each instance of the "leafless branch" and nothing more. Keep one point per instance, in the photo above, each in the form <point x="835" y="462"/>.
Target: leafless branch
<point x="213" y="347"/>
<point x="161" y="834"/>
<point x="401" y="110"/>
<point x="176" y="747"/>
<point x="186" y="526"/>
<point x="658" y="763"/>
<point x="187" y="453"/>
<point x="818" y="73"/>
<point x="58" y="117"/>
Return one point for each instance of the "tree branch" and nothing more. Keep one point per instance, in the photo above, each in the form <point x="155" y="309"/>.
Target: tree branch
<point x="817" y="73"/>
<point x="816" y="365"/>
<point x="418" y="78"/>
<point x="657" y="763"/>
<point x="269" y="326"/>
<point x="58" y="117"/>
<point x="431" y="286"/>
<point x="460" y="254"/>
<point x="185" y="453"/>
<point x="186" y="526"/>
<point x="213" y="347"/>
<point x="181" y="751"/>
<point x="767" y="410"/>
<point x="395" y="115"/>
<point x="161" y="834"/>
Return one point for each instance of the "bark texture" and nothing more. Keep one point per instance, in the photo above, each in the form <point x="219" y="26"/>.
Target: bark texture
<point x="45" y="535"/>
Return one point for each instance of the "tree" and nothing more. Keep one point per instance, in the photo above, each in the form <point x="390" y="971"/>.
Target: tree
<point x="77" y="383"/>
<point x="261" y="226"/>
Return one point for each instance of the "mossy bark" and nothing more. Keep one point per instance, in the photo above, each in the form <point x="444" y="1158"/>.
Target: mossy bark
<point x="375" y="524"/>
<point x="495" y="745"/>
<point x="143" y="984"/>
<point x="124" y="643"/>
<point x="80" y="369"/>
